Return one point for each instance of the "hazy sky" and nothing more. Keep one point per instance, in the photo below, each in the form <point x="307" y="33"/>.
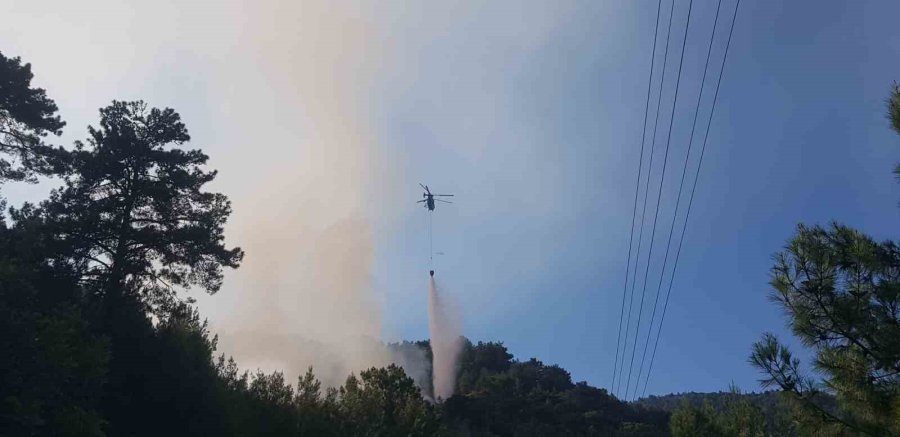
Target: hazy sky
<point x="323" y="117"/>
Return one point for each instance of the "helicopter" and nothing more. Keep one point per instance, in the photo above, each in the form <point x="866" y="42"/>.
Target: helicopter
<point x="429" y="199"/>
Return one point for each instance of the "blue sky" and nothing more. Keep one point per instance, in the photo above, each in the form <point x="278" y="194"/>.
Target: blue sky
<point x="323" y="117"/>
<point x="799" y="136"/>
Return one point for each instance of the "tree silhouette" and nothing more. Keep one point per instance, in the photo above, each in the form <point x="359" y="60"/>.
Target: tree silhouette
<point x="133" y="211"/>
<point x="26" y="116"/>
<point x="52" y="367"/>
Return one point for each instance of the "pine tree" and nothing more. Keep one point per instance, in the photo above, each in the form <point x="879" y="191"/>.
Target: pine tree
<point x="27" y="115"/>
<point x="133" y="215"/>
<point x="841" y="292"/>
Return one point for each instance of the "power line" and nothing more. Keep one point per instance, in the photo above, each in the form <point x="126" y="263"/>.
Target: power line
<point x="662" y="177"/>
<point x="647" y="190"/>
<point x="680" y="188"/>
<point x="693" y="190"/>
<point x="636" y="191"/>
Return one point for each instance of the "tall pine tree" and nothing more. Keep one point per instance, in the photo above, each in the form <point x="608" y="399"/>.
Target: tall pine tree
<point x="133" y="215"/>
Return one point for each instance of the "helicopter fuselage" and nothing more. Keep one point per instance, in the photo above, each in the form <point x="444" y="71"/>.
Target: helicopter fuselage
<point x="428" y="198"/>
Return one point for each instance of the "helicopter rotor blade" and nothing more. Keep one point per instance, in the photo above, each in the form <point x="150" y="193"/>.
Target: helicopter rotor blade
<point x="441" y="200"/>
<point x="448" y="195"/>
<point x="421" y="201"/>
<point x="423" y="187"/>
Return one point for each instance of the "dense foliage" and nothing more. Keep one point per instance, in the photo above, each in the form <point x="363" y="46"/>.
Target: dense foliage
<point x="498" y="395"/>
<point x="52" y="365"/>
<point x="731" y="413"/>
<point x="738" y="418"/>
<point x="841" y="291"/>
<point x="27" y="115"/>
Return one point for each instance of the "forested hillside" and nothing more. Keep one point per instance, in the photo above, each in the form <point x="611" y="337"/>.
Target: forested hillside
<point x="768" y="401"/>
<point x="498" y="395"/>
<point x="770" y="408"/>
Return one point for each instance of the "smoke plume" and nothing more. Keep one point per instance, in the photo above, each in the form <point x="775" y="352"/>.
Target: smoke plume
<point x="304" y="295"/>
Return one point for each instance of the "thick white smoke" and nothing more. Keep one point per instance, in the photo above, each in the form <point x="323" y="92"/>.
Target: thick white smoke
<point x="446" y="341"/>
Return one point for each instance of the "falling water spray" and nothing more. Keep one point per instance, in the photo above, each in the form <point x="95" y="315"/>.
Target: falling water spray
<point x="446" y="341"/>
